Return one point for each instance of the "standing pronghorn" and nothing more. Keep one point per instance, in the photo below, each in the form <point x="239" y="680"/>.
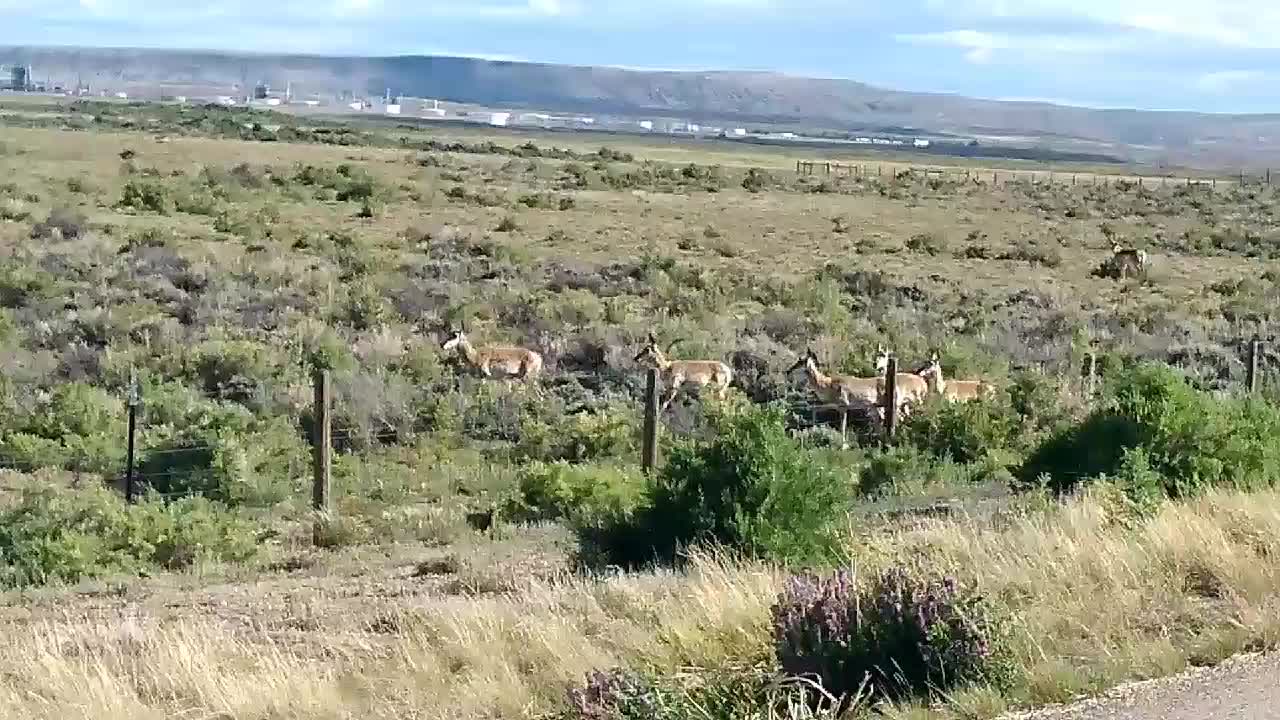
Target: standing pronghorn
<point x="954" y="390"/>
<point x="1127" y="261"/>
<point x="496" y="361"/>
<point x="846" y="391"/>
<point x="910" y="387"/>
<point x="678" y="373"/>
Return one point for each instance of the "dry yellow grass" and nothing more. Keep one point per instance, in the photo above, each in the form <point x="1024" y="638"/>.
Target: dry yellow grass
<point x="1099" y="598"/>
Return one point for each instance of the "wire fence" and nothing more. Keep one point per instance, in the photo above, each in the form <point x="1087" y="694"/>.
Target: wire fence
<point x="152" y="469"/>
<point x="998" y="177"/>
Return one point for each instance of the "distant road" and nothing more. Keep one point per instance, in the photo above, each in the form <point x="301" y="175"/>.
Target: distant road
<point x="1246" y="688"/>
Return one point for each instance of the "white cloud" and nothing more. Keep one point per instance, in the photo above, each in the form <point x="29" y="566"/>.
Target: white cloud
<point x="1228" y="23"/>
<point x="982" y="46"/>
<point x="1223" y="81"/>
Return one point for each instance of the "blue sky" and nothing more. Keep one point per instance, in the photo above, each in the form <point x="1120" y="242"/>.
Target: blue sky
<point x="1211" y="55"/>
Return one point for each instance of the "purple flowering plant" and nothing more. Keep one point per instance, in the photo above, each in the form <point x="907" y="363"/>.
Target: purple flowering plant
<point x="898" y="635"/>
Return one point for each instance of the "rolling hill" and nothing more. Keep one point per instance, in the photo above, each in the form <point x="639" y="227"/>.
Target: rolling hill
<point x="754" y="97"/>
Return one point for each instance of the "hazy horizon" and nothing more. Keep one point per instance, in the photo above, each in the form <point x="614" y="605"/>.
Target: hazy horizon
<point x="1173" y="55"/>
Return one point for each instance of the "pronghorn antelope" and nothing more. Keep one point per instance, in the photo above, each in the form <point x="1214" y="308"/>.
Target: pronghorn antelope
<point x="910" y="387"/>
<point x="678" y="373"/>
<point x="954" y="390"/>
<point x="850" y="392"/>
<point x="1127" y="261"/>
<point x="496" y="361"/>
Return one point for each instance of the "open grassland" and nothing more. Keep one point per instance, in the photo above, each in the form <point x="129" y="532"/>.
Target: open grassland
<point x="218" y="271"/>
<point x="1101" y="600"/>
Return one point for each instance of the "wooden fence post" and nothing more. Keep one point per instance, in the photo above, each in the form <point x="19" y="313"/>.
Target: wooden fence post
<point x="130" y="479"/>
<point x="1255" y="358"/>
<point x="891" y="397"/>
<point x="322" y="446"/>
<point x="649" y="449"/>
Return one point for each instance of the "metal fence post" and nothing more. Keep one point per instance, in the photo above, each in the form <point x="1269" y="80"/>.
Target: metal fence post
<point x="649" y="451"/>
<point x="130" y="474"/>
<point x="321" y="442"/>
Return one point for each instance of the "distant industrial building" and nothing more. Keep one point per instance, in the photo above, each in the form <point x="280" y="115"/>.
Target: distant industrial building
<point x="17" y="77"/>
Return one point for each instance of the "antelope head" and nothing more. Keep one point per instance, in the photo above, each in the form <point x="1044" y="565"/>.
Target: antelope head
<point x="933" y="369"/>
<point x="456" y="339"/>
<point x="882" y="359"/>
<point x="651" y="354"/>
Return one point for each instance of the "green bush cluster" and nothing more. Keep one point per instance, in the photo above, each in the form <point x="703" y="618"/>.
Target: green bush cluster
<point x="1158" y="436"/>
<point x="51" y="536"/>
<point x="147" y="196"/>
<point x="586" y="496"/>
<point x="750" y="487"/>
<point x="77" y="427"/>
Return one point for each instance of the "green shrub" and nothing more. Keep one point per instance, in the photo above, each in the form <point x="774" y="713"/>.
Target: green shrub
<point x="147" y="196"/>
<point x="26" y="452"/>
<point x="58" y="536"/>
<point x="1034" y="399"/>
<point x="68" y="222"/>
<point x="77" y="409"/>
<point x="198" y="201"/>
<point x="757" y="180"/>
<point x="750" y="488"/>
<point x="1151" y="427"/>
<point x="220" y="451"/>
<point x="963" y="432"/>
<point x="582" y="437"/>
<point x="79" y="428"/>
<point x="928" y="243"/>
<point x="584" y="495"/>
<point x="905" y="469"/>
<point x="232" y="369"/>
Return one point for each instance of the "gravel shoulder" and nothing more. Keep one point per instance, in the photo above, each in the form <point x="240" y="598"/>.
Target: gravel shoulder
<point x="1243" y="688"/>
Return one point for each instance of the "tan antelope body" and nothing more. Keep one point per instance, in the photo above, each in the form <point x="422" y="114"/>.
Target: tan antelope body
<point x="954" y="390"/>
<point x="910" y="388"/>
<point x="842" y="390"/>
<point x="497" y="361"/>
<point x="1128" y="261"/>
<point x="676" y="374"/>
